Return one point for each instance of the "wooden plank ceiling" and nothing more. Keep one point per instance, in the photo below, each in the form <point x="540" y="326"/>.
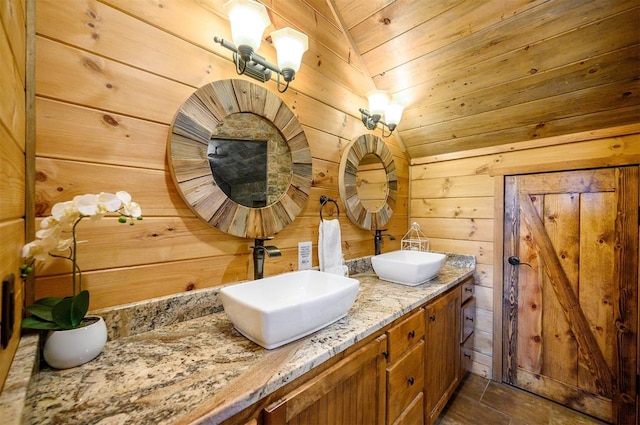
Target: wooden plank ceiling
<point x="475" y="74"/>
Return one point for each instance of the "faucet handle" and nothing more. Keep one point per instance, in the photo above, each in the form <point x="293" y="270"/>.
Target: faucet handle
<point x="261" y="241"/>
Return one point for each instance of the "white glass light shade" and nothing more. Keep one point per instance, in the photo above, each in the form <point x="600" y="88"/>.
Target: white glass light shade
<point x="378" y="101"/>
<point x="393" y="113"/>
<point x="290" y="46"/>
<point x="248" y="20"/>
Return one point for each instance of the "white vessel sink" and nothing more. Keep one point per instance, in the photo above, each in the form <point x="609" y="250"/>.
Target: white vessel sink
<point x="279" y="309"/>
<point x="408" y="267"/>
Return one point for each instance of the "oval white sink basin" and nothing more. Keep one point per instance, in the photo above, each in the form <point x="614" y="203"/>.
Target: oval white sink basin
<point x="279" y="309"/>
<point x="408" y="267"/>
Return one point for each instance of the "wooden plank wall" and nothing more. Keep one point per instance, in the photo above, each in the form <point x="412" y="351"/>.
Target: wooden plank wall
<point x="110" y="75"/>
<point x="457" y="200"/>
<point x="12" y="157"/>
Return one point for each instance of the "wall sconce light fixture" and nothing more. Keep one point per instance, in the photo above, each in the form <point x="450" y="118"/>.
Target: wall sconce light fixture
<point x="248" y="20"/>
<point x="380" y="106"/>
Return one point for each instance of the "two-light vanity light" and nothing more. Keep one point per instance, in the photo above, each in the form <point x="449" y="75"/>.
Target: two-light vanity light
<point x="380" y="106"/>
<point x="248" y="20"/>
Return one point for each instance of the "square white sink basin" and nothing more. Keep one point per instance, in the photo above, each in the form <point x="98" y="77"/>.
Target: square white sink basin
<point x="408" y="267"/>
<point x="279" y="309"/>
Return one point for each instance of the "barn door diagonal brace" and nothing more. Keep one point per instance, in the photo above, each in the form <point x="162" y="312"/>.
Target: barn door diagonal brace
<point x="567" y="298"/>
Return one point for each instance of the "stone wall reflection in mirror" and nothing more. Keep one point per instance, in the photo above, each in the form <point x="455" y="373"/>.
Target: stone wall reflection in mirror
<point x="250" y="160"/>
<point x="377" y="209"/>
<point x="192" y="150"/>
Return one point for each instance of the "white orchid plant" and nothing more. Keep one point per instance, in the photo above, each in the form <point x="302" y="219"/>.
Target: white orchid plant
<point x="57" y="238"/>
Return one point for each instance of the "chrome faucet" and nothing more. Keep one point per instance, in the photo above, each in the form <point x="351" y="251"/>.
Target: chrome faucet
<point x="377" y="240"/>
<point x="259" y="249"/>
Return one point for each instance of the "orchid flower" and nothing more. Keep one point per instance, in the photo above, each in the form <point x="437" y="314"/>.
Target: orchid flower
<point x="57" y="234"/>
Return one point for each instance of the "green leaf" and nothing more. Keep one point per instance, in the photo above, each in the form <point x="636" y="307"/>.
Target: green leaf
<point x="69" y="312"/>
<point x="43" y="312"/>
<point x="61" y="314"/>
<point x="48" y="301"/>
<point x="33" y="322"/>
<point x="79" y="307"/>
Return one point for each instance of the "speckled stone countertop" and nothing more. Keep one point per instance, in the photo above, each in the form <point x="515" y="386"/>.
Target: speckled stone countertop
<point x="200" y="369"/>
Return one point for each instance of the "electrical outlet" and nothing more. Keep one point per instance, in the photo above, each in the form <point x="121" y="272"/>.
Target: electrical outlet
<point x="304" y="255"/>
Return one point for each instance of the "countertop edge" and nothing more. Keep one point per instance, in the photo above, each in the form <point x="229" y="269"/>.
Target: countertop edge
<point x="14" y="393"/>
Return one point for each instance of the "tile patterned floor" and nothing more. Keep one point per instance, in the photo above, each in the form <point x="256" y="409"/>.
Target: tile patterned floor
<point x="482" y="401"/>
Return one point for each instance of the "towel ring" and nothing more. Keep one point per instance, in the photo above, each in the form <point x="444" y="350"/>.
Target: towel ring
<point x="323" y="202"/>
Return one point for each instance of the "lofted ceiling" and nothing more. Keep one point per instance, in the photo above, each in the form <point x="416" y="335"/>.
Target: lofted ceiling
<point x="476" y="74"/>
<point x="479" y="73"/>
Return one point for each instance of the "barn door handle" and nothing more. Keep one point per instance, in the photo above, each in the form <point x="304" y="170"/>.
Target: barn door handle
<point x="515" y="261"/>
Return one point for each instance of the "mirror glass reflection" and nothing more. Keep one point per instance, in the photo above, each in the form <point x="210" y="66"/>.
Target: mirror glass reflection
<point x="371" y="182"/>
<point x="250" y="160"/>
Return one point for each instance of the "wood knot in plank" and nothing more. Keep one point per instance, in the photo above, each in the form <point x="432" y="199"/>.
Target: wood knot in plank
<point x="91" y="64"/>
<point x="110" y="120"/>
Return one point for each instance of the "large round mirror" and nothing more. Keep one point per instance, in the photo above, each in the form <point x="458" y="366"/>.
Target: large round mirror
<point x="240" y="159"/>
<point x="368" y="182"/>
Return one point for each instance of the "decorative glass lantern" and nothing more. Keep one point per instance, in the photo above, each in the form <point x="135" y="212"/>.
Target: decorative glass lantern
<point x="414" y="239"/>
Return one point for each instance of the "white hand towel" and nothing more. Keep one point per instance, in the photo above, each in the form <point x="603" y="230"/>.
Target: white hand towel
<point x="330" y="248"/>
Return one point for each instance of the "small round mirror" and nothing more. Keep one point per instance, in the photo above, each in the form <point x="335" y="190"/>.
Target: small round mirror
<point x="371" y="182"/>
<point x="368" y="211"/>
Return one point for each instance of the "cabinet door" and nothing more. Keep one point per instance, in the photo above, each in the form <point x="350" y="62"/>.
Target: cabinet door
<point x="442" y="366"/>
<point x="351" y="391"/>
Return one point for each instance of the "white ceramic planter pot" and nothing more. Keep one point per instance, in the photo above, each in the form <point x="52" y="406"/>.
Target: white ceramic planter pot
<point x="70" y="348"/>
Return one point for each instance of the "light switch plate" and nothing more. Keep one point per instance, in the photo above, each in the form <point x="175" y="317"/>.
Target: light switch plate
<point x="8" y="310"/>
<point x="304" y="255"/>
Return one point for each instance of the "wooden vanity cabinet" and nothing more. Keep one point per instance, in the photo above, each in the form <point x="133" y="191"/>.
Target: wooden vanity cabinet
<point x="442" y="359"/>
<point x="404" y="375"/>
<point x="352" y="391"/>
<point x="405" y="370"/>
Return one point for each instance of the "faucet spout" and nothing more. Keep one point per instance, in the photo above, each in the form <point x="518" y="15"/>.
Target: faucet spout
<point x="377" y="240"/>
<point x="259" y="250"/>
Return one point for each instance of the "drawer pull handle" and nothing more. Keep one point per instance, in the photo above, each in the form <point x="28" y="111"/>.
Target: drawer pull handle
<point x="410" y="381"/>
<point x="433" y="318"/>
<point x="469" y="318"/>
<point x="467" y="355"/>
<point x="385" y="354"/>
<point x="468" y="289"/>
<point x="412" y="334"/>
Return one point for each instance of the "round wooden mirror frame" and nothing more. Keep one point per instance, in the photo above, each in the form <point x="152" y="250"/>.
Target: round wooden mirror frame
<point x="191" y="132"/>
<point x="351" y="157"/>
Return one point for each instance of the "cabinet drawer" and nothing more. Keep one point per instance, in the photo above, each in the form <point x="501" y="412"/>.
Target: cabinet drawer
<point x="405" y="334"/>
<point x="466" y="355"/>
<point x="405" y="380"/>
<point x="414" y="413"/>
<point x="467" y="319"/>
<point x="467" y="290"/>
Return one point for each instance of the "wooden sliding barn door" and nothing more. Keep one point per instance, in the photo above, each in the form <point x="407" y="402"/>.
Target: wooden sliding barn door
<point x="571" y="289"/>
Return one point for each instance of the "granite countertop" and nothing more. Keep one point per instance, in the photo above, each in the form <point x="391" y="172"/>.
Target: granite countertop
<point x="201" y="369"/>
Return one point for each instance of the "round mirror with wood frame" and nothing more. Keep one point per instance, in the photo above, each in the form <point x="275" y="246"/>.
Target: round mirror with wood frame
<point x="367" y="218"/>
<point x="189" y="141"/>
